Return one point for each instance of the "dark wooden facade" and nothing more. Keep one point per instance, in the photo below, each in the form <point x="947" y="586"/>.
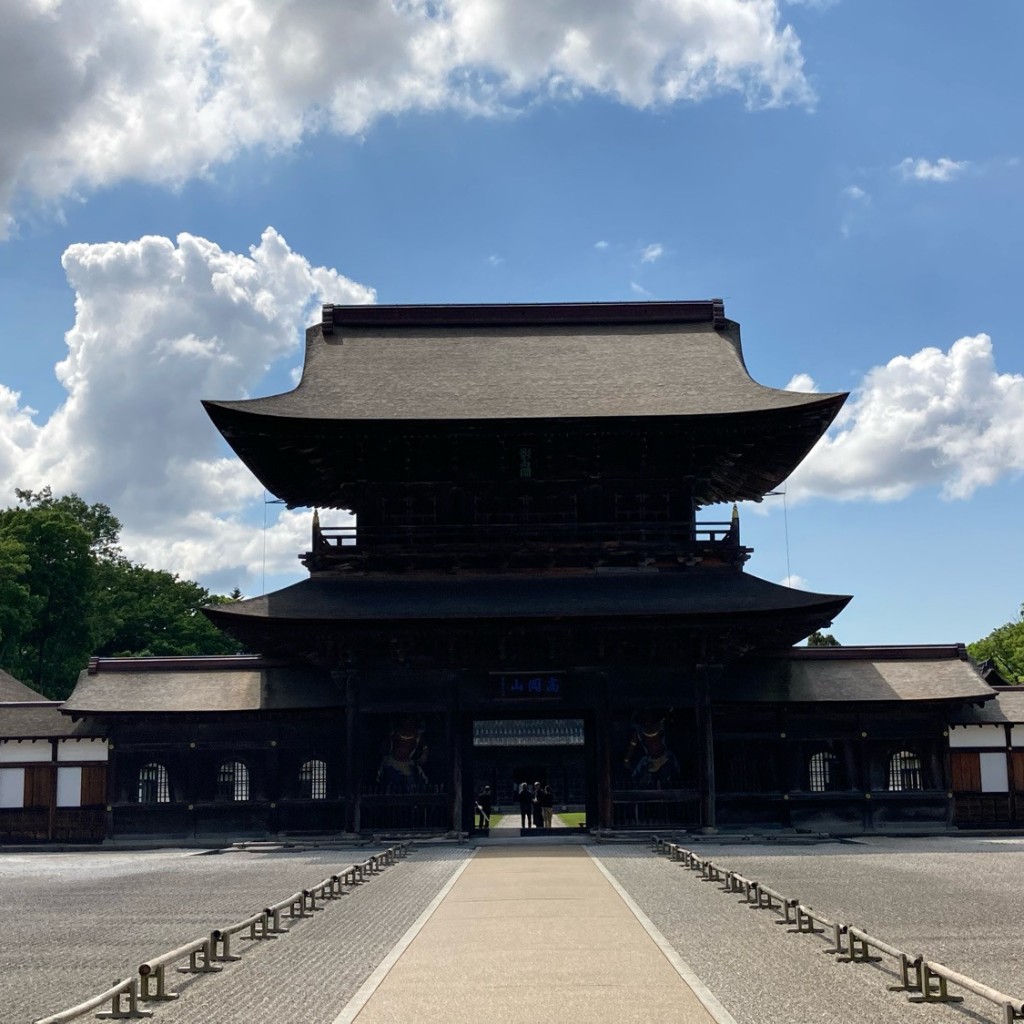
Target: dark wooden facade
<point x="527" y="484"/>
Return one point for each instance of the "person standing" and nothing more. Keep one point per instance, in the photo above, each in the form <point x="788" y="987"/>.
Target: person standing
<point x="483" y="807"/>
<point x="547" y="804"/>
<point x="538" y="812"/>
<point x="525" y="805"/>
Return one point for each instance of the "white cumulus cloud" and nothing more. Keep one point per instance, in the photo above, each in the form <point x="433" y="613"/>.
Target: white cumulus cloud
<point x="93" y="92"/>
<point x="933" y="419"/>
<point x="652" y="253"/>
<point x="941" y="170"/>
<point x="802" y="382"/>
<point x="160" y="324"/>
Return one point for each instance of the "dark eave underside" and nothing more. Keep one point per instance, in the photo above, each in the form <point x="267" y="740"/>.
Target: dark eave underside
<point x="589" y="595"/>
<point x="738" y="457"/>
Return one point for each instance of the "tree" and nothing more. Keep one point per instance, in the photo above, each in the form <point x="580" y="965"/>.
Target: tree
<point x="819" y="639"/>
<point x="102" y="526"/>
<point x="140" y="611"/>
<point x="52" y="644"/>
<point x="1004" y="647"/>
<point x="16" y="603"/>
<point x="67" y="591"/>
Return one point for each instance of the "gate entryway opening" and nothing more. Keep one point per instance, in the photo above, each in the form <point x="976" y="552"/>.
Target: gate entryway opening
<point x="509" y="752"/>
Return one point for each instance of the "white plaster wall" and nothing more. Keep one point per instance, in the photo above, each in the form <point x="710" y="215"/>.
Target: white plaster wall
<point x="993" y="773"/>
<point x="1017" y="736"/>
<point x="12" y="787"/>
<point x="977" y="736"/>
<point x="82" y="750"/>
<point x="69" y="787"/>
<point x="25" y="750"/>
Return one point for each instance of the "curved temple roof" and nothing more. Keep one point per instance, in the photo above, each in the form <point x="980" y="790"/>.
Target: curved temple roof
<point x="378" y="372"/>
<point x="524" y="362"/>
<point x="761" y="611"/>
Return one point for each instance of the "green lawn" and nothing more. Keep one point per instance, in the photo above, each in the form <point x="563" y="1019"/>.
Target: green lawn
<point x="573" y="818"/>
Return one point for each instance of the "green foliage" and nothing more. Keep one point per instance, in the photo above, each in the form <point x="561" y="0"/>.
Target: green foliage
<point x="52" y="641"/>
<point x="139" y="611"/>
<point x="16" y="603"/>
<point x="819" y="639"/>
<point x="66" y="592"/>
<point x="1005" y="648"/>
<point x="102" y="526"/>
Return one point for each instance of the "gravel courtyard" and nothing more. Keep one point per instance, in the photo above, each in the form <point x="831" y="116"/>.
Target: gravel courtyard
<point x="76" y="922"/>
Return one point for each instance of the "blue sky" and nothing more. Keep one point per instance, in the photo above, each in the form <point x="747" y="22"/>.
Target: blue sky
<point x="182" y="184"/>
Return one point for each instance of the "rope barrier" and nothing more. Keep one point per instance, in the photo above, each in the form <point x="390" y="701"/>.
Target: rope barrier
<point x="925" y="980"/>
<point x="206" y="955"/>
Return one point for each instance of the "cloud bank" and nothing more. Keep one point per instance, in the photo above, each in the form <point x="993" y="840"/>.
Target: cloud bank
<point x="160" y="324"/>
<point x="93" y="92"/>
<point x="934" y="419"/>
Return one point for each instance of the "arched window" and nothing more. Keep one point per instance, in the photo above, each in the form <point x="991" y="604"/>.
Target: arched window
<point x="313" y="780"/>
<point x="822" y="775"/>
<point x="154" y="785"/>
<point x="905" y="771"/>
<point x="233" y="781"/>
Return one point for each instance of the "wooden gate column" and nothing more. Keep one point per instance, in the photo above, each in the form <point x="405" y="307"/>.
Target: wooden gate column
<point x="706" y="675"/>
<point x="352" y="762"/>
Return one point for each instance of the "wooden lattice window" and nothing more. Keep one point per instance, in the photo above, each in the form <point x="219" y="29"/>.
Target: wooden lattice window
<point x="154" y="784"/>
<point x="641" y="508"/>
<point x="313" y="780"/>
<point x="822" y="772"/>
<point x="905" y="771"/>
<point x="749" y="771"/>
<point x="233" y="781"/>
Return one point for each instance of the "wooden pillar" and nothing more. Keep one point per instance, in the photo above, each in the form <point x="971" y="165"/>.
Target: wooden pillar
<point x="706" y="676"/>
<point x="351" y="760"/>
<point x="51" y="816"/>
<point x="273" y="783"/>
<point x="455" y="728"/>
<point x="603" y="750"/>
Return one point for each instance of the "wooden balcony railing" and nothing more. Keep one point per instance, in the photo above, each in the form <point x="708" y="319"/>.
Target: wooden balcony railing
<point x="583" y="542"/>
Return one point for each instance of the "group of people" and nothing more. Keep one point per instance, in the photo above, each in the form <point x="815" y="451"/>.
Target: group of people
<point x="535" y="805"/>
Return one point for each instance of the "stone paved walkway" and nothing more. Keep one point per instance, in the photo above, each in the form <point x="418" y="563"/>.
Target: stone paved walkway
<point x="531" y="935"/>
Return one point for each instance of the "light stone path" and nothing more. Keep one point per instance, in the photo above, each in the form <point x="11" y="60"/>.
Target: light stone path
<point x="531" y="935"/>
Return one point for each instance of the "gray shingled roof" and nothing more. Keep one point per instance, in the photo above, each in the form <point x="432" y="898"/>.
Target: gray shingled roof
<point x="41" y="721"/>
<point x="792" y="678"/>
<point x="141" y="687"/>
<point x="800" y="680"/>
<point x="12" y="690"/>
<point x="1006" y="708"/>
<point x="488" y="373"/>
